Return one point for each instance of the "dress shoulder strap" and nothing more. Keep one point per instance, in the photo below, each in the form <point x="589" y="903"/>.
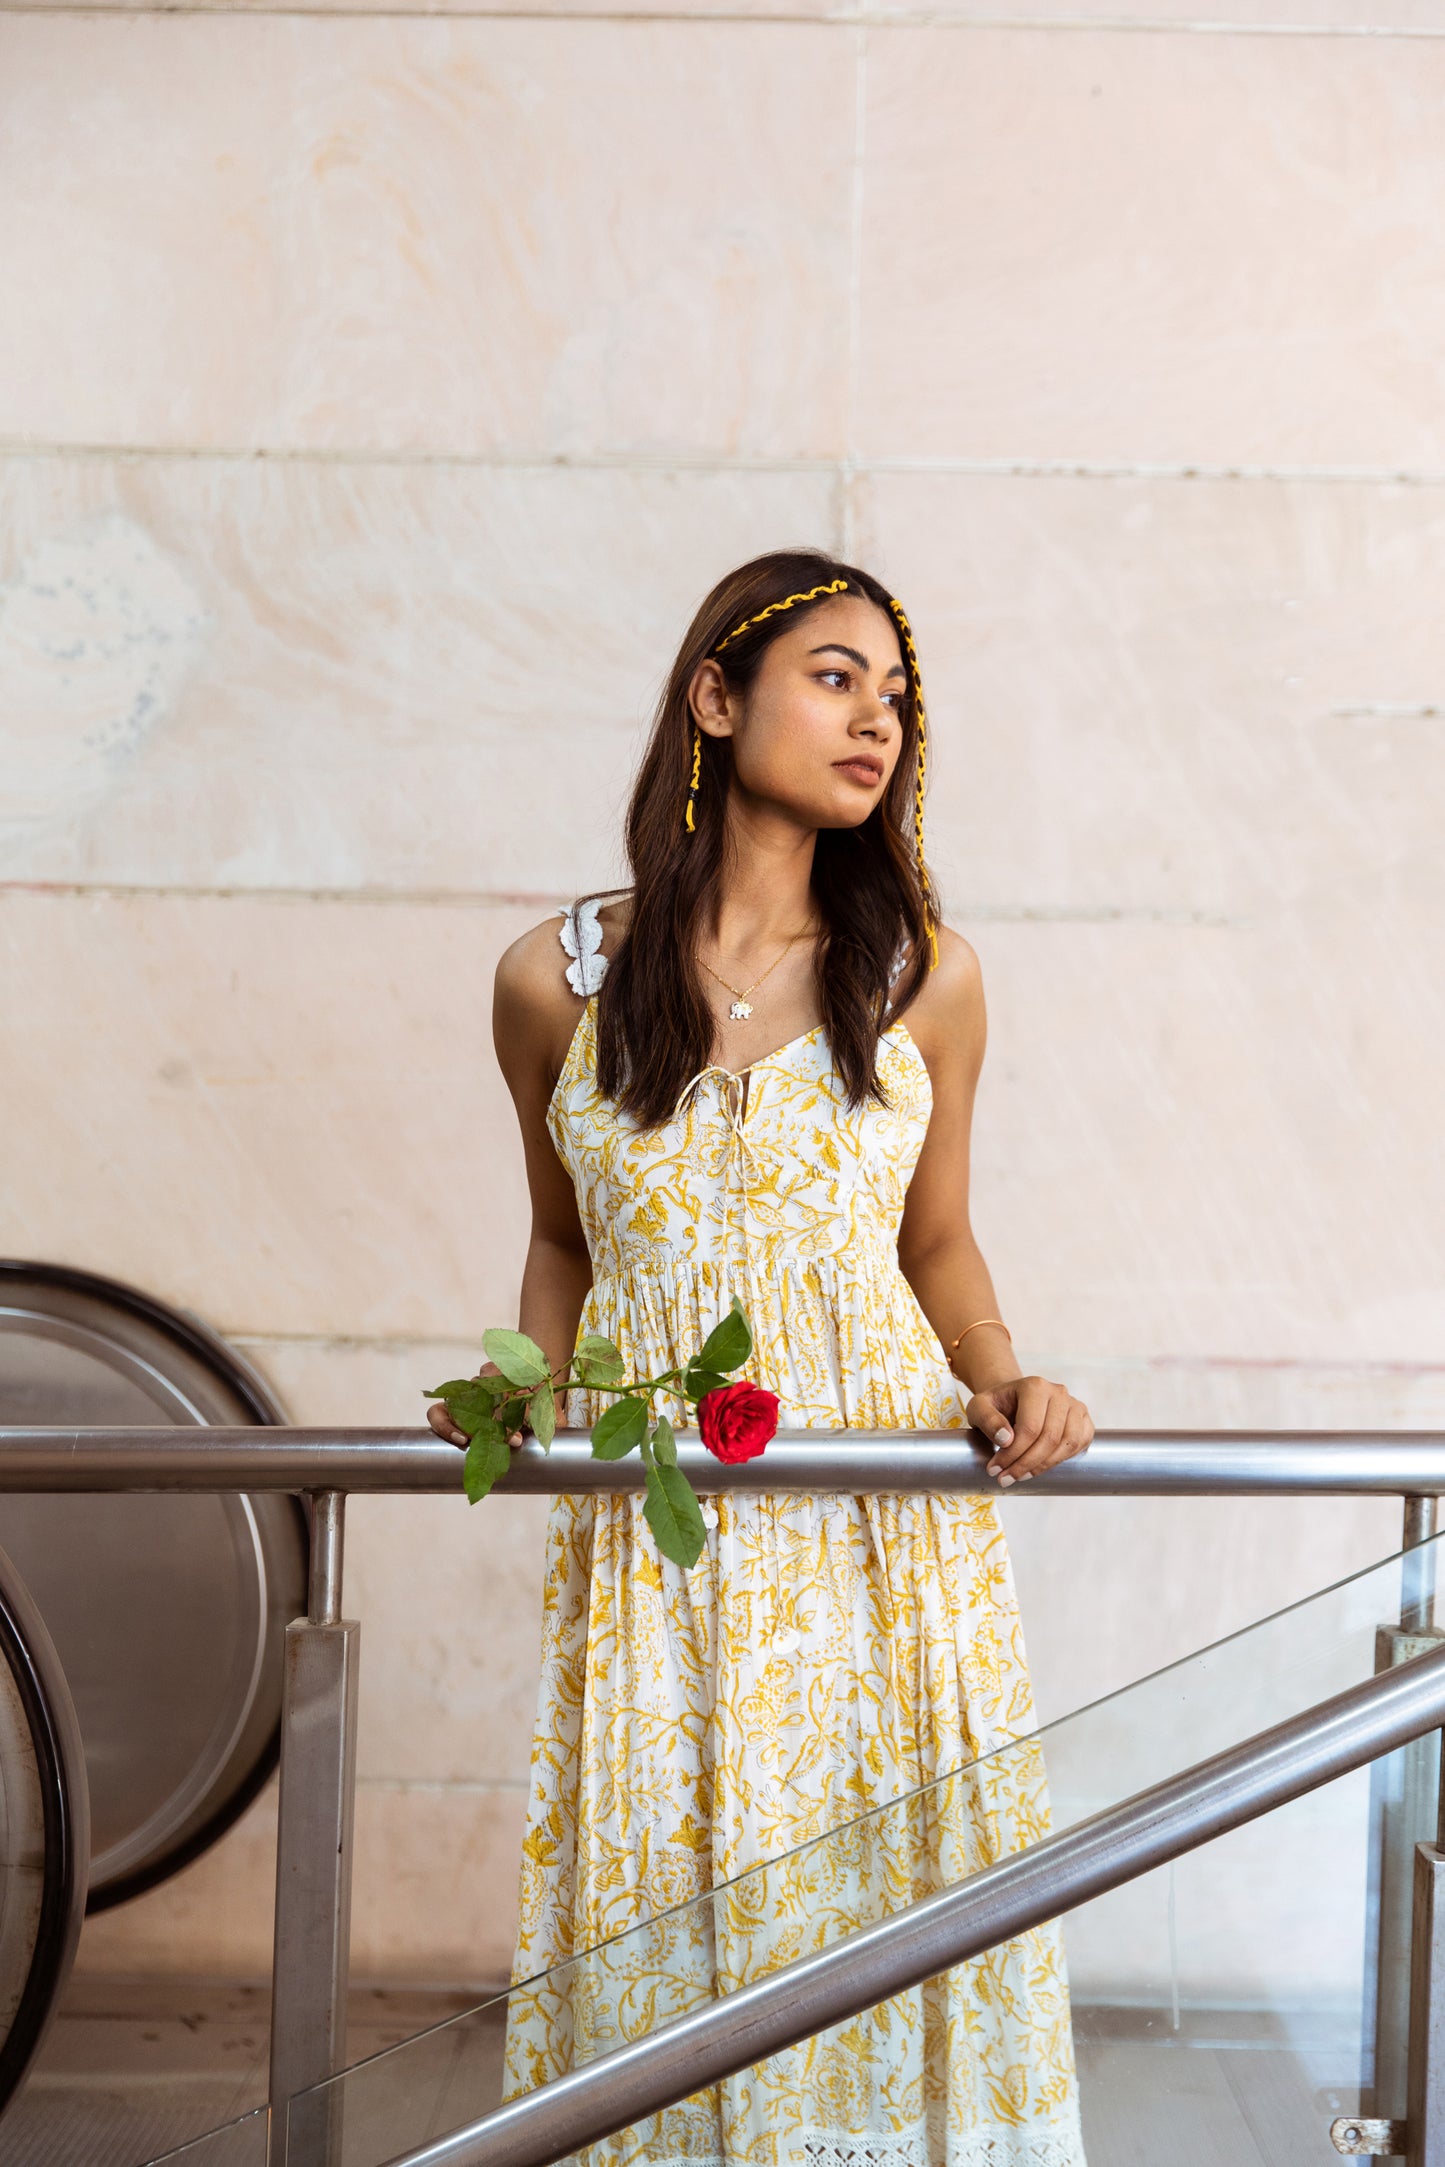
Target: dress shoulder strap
<point x="581" y="935"/>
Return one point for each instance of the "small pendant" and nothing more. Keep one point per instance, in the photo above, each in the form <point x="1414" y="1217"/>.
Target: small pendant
<point x="740" y="1011"/>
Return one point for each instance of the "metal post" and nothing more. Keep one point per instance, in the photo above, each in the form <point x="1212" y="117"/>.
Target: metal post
<point x="1425" y="2118"/>
<point x="1417" y="1592"/>
<point x="1405" y="1805"/>
<point x="328" y="1537"/>
<point x="313" y="1857"/>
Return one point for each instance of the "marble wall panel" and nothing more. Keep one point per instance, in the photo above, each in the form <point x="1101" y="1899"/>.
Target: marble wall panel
<point x="1121" y="248"/>
<point x="1201" y="701"/>
<point x="1188" y="1139"/>
<point x="315" y="673"/>
<point x="285" y="1115"/>
<point x="1213" y="1154"/>
<point x="434" y="1895"/>
<point x="468" y="236"/>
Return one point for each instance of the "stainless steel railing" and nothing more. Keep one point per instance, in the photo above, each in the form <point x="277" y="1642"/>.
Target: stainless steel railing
<point x="1052" y="1877"/>
<point x="318" y="1741"/>
<point x="1137" y="1463"/>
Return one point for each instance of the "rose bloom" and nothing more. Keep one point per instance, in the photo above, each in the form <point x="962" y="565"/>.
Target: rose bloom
<point x="737" y="1420"/>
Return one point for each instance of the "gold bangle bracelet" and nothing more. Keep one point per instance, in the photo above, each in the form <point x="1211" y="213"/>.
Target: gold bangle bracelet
<point x="974" y="1327"/>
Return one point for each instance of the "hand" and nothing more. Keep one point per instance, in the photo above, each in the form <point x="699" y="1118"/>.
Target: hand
<point x="1032" y="1425"/>
<point x="444" y="1426"/>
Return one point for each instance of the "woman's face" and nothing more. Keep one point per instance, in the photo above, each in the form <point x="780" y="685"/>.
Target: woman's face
<point x="818" y="731"/>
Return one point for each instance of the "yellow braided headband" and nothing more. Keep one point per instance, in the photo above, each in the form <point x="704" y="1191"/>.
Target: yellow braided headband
<point x="840" y="586"/>
<point x="834" y="586"/>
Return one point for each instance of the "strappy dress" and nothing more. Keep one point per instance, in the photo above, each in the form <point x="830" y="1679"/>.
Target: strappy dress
<point x="827" y="1655"/>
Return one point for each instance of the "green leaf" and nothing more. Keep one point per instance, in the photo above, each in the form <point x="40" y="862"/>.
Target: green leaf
<point x="467" y="1401"/>
<point x="728" y="1344"/>
<point x="598" y="1360"/>
<point x="615" y="1433"/>
<point x="674" y="1515"/>
<point x="488" y="1458"/>
<point x="519" y="1359"/>
<point x="664" y="1443"/>
<point x="697" y="1382"/>
<point x="510" y="1413"/>
<point x="542" y="1414"/>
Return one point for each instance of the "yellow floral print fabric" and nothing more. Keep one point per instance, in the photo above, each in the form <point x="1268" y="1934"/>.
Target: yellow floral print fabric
<point x="826" y="1677"/>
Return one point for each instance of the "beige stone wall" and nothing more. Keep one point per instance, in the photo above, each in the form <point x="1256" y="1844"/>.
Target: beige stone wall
<point x="379" y="391"/>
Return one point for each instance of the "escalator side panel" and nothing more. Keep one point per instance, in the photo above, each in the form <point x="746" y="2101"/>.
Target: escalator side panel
<point x="45" y="1844"/>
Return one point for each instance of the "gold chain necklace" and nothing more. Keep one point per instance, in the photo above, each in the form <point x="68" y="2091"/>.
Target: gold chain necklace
<point x="742" y="1007"/>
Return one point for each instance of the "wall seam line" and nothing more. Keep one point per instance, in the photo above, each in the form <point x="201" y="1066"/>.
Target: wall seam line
<point x="880" y="18"/>
<point x="1003" y="468"/>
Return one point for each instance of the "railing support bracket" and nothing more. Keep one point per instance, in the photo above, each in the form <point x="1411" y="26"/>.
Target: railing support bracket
<point x="1359" y="2137"/>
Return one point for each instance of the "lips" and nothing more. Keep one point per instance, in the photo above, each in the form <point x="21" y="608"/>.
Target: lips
<point x="862" y="767"/>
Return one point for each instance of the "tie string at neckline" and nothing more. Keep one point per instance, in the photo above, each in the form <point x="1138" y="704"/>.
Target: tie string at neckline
<point x="733" y="1075"/>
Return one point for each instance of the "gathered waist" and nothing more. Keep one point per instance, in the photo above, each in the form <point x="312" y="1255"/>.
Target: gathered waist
<point x="654" y="1267"/>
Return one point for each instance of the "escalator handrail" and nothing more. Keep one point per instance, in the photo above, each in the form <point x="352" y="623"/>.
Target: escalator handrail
<point x="809" y="1995"/>
<point x="1138" y="1463"/>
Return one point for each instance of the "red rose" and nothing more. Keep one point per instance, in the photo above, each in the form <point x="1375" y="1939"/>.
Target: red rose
<point x="737" y="1420"/>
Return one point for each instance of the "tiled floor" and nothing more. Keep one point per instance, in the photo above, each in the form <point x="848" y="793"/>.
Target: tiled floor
<point x="1226" y="2086"/>
<point x="130" y="2071"/>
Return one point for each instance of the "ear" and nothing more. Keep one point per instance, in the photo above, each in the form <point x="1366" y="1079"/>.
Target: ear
<point x="712" y="705"/>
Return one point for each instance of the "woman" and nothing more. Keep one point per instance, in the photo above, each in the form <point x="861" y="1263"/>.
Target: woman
<point x="755" y="1078"/>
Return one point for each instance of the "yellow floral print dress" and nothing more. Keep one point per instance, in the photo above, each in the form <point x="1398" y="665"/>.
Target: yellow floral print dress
<point x="828" y="1654"/>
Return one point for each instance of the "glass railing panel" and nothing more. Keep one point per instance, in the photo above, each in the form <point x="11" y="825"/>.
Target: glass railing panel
<point x="1226" y="1933"/>
<point x="241" y="2143"/>
<point x="1215" y="2015"/>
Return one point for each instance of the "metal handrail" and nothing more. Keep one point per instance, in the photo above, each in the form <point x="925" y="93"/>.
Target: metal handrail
<point x="318" y="1739"/>
<point x="1140" y="1463"/>
<point x="807" y="1996"/>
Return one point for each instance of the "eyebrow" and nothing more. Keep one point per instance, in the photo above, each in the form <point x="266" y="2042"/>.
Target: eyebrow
<point x="836" y="647"/>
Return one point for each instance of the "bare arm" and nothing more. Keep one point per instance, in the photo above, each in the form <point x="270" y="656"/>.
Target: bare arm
<point x="534" y="1013"/>
<point x="1032" y="1422"/>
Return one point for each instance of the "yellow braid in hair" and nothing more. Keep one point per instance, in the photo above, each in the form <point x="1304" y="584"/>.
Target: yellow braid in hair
<point x="834" y="586"/>
<point x="930" y="912"/>
<point x="696" y="775"/>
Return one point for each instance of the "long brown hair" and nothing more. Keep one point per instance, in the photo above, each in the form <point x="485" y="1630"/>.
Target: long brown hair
<point x="654" y="1025"/>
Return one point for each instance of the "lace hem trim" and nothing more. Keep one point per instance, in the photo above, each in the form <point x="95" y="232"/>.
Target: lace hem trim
<point x="992" y="2144"/>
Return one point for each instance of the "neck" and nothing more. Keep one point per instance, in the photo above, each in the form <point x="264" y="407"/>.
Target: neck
<point x="765" y="896"/>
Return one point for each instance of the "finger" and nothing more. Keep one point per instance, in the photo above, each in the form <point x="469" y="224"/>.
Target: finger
<point x="1023" y="1459"/>
<point x="1035" y="1396"/>
<point x="988" y="1419"/>
<point x="1056" y="1442"/>
<point x="444" y="1426"/>
<point x="1078" y="1431"/>
<point x="1077" y="1437"/>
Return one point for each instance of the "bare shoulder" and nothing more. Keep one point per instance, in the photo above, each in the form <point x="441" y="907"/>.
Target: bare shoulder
<point x="946" y="1019"/>
<point x="535" y="1009"/>
<point x="531" y="977"/>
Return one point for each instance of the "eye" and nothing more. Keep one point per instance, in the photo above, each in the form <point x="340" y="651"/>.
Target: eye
<point x="829" y="674"/>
